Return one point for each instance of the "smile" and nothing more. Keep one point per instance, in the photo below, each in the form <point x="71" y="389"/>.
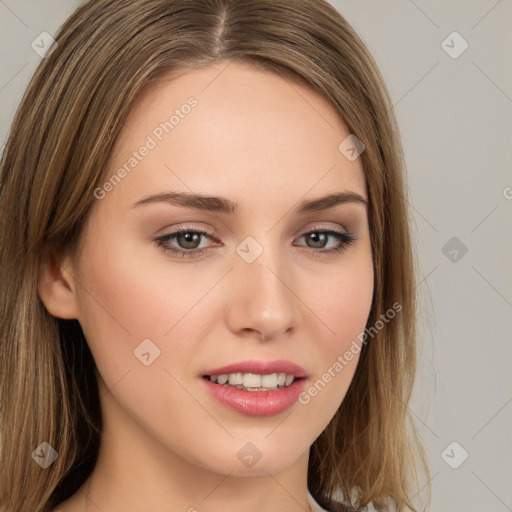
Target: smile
<point x="253" y="381"/>
<point x="256" y="388"/>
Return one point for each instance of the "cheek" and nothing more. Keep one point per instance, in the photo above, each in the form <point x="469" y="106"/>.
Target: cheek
<point x="344" y="298"/>
<point x="135" y="295"/>
<point x="343" y="305"/>
<point x="123" y="301"/>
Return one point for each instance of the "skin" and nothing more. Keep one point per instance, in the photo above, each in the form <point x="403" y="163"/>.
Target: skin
<point x="266" y="143"/>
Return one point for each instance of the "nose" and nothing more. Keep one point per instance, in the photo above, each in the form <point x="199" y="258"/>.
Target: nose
<point x="263" y="303"/>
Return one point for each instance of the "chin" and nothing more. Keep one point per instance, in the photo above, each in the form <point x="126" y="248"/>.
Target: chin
<point x="246" y="458"/>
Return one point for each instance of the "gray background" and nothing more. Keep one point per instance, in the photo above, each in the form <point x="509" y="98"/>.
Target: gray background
<point x="456" y="124"/>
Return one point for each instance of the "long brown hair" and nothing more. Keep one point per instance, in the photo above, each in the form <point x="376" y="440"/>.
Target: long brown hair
<point x="56" y="155"/>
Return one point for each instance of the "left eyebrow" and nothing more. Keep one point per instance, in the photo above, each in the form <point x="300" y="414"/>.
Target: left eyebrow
<point x="224" y="205"/>
<point x="325" y="202"/>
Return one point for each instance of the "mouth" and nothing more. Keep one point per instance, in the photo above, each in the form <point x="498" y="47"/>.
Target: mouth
<point x="254" y="381"/>
<point x="257" y="375"/>
<point x="256" y="388"/>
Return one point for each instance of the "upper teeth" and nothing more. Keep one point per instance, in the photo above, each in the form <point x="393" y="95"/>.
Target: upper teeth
<point x="253" y="380"/>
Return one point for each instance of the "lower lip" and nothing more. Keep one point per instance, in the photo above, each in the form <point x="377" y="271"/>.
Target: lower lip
<point x="256" y="403"/>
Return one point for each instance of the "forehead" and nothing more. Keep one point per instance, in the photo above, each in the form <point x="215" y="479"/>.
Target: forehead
<point x="233" y="125"/>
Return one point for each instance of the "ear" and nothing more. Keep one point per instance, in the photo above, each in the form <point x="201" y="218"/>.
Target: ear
<point x="56" y="287"/>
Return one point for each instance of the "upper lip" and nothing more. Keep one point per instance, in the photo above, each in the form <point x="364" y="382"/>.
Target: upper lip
<point x="260" y="367"/>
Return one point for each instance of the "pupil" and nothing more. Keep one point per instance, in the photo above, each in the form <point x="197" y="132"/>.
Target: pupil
<point x="189" y="239"/>
<point x="318" y="236"/>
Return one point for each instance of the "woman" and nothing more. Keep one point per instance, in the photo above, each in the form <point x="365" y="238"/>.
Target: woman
<point x="178" y="178"/>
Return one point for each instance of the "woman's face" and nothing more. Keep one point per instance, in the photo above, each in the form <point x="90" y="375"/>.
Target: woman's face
<point x="268" y="285"/>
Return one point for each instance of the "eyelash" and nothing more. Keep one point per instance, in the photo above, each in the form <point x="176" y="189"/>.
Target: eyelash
<point x="346" y="238"/>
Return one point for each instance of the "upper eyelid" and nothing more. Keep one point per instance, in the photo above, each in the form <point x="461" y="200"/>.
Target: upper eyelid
<point x="211" y="234"/>
<point x="186" y="229"/>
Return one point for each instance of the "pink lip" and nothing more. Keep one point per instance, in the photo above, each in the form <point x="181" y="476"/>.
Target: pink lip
<point x="260" y="367"/>
<point x="256" y="403"/>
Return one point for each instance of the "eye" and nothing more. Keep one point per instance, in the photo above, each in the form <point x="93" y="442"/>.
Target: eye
<point x="189" y="240"/>
<point x="320" y="237"/>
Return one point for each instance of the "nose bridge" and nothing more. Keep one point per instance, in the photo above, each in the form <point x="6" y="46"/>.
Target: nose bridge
<point x="268" y="270"/>
<point x="266" y="302"/>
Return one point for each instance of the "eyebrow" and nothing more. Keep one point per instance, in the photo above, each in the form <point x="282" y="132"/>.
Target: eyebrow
<point x="223" y="205"/>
